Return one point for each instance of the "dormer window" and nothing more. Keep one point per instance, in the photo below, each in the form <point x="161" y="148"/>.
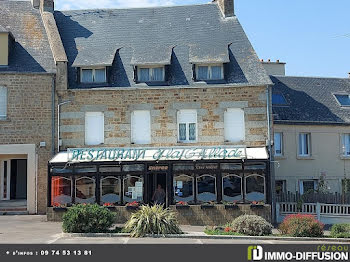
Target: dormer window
<point x="6" y="45"/>
<point x="93" y="75"/>
<point x="209" y="72"/>
<point x="343" y="100"/>
<point x="150" y="74"/>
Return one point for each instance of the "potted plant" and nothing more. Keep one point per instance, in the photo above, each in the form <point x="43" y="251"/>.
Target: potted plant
<point x="257" y="204"/>
<point x="133" y="205"/>
<point x="110" y="206"/>
<point x="231" y="205"/>
<point x="182" y="205"/>
<point x="59" y="207"/>
<point x="207" y="205"/>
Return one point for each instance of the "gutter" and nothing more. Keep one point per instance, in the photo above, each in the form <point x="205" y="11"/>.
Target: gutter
<point x="53" y="117"/>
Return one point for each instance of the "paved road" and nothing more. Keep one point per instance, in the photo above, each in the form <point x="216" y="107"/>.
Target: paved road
<point x="35" y="230"/>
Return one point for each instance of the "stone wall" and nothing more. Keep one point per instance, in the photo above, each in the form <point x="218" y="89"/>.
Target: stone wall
<point x="164" y="103"/>
<point x="29" y="120"/>
<point x="193" y="215"/>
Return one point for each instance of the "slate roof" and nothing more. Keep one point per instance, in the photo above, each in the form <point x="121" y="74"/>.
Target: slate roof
<point x="145" y="35"/>
<point x="310" y="100"/>
<point x="31" y="52"/>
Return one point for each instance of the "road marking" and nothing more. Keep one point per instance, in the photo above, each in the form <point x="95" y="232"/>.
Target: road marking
<point x="56" y="237"/>
<point x="125" y="240"/>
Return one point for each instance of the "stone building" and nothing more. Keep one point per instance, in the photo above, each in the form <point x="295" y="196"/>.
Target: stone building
<point x="27" y="79"/>
<point x="168" y="97"/>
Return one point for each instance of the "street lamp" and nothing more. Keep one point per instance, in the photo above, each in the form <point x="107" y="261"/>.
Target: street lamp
<point x="58" y="122"/>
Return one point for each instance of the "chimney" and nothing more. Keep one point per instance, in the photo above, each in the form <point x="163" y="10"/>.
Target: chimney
<point x="47" y="5"/>
<point x="36" y="3"/>
<point x="277" y="68"/>
<point x="226" y="7"/>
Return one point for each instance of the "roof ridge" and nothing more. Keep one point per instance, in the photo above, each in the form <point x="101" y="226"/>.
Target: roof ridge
<point x="135" y="8"/>
<point x="314" y="77"/>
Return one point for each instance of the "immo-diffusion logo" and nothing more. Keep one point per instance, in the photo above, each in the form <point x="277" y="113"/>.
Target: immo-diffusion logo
<point x="335" y="253"/>
<point x="255" y="253"/>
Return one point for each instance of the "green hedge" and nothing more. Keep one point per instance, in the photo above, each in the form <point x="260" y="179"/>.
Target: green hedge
<point x="87" y="218"/>
<point x="340" y="231"/>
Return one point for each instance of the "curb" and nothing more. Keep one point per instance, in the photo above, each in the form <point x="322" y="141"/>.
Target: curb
<point x="194" y="236"/>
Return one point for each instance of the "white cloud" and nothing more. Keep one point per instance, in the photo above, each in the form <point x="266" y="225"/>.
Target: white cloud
<point x="90" y="4"/>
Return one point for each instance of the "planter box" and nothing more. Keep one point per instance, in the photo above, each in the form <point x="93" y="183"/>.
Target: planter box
<point x="59" y="209"/>
<point x="207" y="206"/>
<point x="257" y="206"/>
<point x="132" y="208"/>
<point x="110" y="208"/>
<point x="182" y="206"/>
<point x="231" y="206"/>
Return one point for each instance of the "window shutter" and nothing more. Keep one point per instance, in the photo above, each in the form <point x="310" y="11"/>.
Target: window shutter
<point x="3" y="102"/>
<point x="94" y="128"/>
<point x="141" y="127"/>
<point x="194" y="77"/>
<point x="135" y="74"/>
<point x="234" y="125"/>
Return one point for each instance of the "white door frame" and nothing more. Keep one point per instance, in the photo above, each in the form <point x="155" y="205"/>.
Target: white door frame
<point x="8" y="179"/>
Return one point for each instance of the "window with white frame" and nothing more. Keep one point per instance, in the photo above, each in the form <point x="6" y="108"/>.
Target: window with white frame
<point x="93" y="75"/>
<point x="278" y="140"/>
<point x="234" y="125"/>
<point x="150" y="73"/>
<point x="94" y="128"/>
<point x="210" y="72"/>
<point x="141" y="127"/>
<point x="187" y="125"/>
<point x="346" y="144"/>
<point x="3" y="102"/>
<point x="304" y="144"/>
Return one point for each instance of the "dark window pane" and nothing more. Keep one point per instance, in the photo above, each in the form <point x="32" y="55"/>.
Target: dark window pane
<point x="255" y="188"/>
<point x="110" y="190"/>
<point x="255" y="166"/>
<point x="278" y="99"/>
<point x="182" y="132"/>
<point x="61" y="191"/>
<point x="133" y="168"/>
<point x="206" y="186"/>
<point x="85" y="169"/>
<point x="85" y="190"/>
<point x="227" y="166"/>
<point x="183" y="188"/>
<point x="192" y="131"/>
<point x="280" y="186"/>
<point x="232" y="188"/>
<point x="343" y="100"/>
<point x="110" y="169"/>
<point x="179" y="167"/>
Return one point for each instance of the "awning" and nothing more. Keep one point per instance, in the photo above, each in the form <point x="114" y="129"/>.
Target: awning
<point x="157" y="55"/>
<point x="209" y="54"/>
<point x="83" y="155"/>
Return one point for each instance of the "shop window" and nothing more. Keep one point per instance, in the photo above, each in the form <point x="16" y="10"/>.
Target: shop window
<point x="206" y="188"/>
<point x="110" y="169"/>
<point x="85" y="169"/>
<point x="255" y="188"/>
<point x="94" y="128"/>
<point x="133" y="189"/>
<point x="141" y="127"/>
<point x="133" y="168"/>
<point x="183" y="167"/>
<point x="183" y="188"/>
<point x="61" y="191"/>
<point x="232" y="188"/>
<point x="255" y="166"/>
<point x="110" y="190"/>
<point x="229" y="166"/>
<point x="85" y="190"/>
<point x="234" y="125"/>
<point x="61" y="170"/>
<point x="187" y="126"/>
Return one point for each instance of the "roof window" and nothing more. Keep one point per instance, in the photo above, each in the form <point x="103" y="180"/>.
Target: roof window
<point x="279" y="100"/>
<point x="343" y="100"/>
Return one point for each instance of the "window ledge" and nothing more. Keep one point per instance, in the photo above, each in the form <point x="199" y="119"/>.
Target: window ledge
<point x="5" y="119"/>
<point x="305" y="158"/>
<point x="280" y="157"/>
<point x="342" y="157"/>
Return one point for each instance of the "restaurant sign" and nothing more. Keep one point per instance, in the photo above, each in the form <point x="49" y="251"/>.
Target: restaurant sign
<point x="154" y="154"/>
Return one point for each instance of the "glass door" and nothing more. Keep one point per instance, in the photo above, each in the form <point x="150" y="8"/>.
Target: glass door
<point x="5" y="176"/>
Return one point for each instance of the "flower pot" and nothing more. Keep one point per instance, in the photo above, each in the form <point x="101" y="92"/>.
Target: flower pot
<point x="231" y="207"/>
<point x="59" y="209"/>
<point x="182" y="206"/>
<point x="207" y="206"/>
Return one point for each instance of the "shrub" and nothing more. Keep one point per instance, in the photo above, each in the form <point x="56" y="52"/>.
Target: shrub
<point x="340" y="231"/>
<point x="154" y="220"/>
<point x="251" y="225"/>
<point x="301" y="226"/>
<point x="87" y="218"/>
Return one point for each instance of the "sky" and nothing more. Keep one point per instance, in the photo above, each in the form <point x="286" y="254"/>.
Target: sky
<point x="312" y="37"/>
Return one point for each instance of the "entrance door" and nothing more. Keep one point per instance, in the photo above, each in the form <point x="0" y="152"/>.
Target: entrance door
<point x="19" y="179"/>
<point x="158" y="179"/>
<point x="5" y="179"/>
